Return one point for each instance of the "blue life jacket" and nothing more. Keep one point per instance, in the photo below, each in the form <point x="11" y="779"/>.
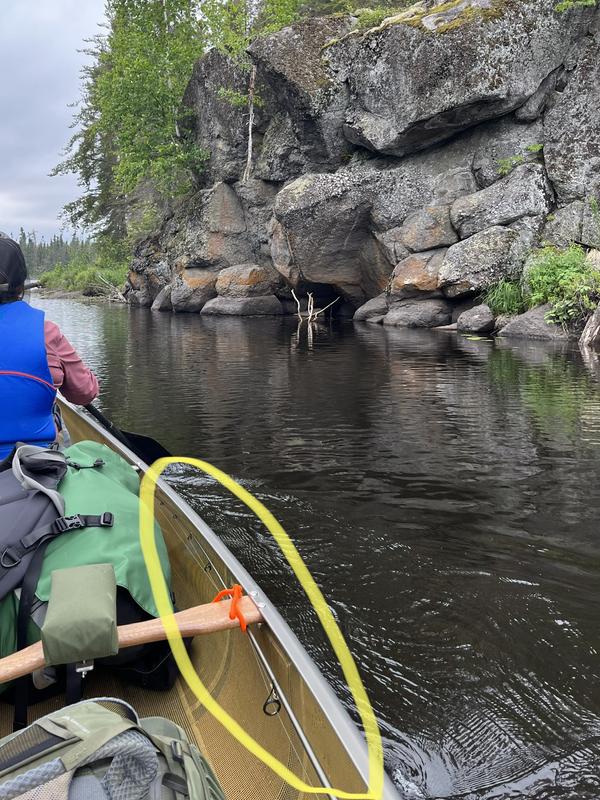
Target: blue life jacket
<point x="27" y="393"/>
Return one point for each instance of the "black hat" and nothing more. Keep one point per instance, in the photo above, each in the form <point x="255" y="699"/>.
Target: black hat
<point x="13" y="270"/>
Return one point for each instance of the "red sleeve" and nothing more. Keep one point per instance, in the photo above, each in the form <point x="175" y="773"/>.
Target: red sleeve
<point x="76" y="382"/>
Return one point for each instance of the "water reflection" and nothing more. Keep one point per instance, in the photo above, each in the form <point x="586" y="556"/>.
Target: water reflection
<point x="443" y="491"/>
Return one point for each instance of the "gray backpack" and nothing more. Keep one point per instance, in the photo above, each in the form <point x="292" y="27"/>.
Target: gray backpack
<point x="100" y="750"/>
<point x="32" y="511"/>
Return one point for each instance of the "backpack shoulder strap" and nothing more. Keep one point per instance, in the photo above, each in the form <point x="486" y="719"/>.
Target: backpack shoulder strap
<point x="38" y="469"/>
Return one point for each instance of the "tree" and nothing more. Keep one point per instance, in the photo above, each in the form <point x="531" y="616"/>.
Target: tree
<point x="92" y="154"/>
<point x="126" y="125"/>
<point x="151" y="50"/>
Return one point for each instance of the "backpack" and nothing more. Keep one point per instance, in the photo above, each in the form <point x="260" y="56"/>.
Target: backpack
<point x="101" y="750"/>
<point x="32" y="513"/>
<point x="92" y="519"/>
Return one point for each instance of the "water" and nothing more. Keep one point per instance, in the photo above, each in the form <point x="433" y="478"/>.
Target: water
<point x="444" y="493"/>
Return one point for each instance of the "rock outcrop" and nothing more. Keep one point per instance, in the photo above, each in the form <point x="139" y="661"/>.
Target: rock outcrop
<point x="409" y="166"/>
<point x="478" y="319"/>
<point x="268" y="306"/>
<point x="419" y="313"/>
<point x="533" y="325"/>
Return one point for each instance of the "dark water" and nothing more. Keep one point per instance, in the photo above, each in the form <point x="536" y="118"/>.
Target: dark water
<point x="443" y="491"/>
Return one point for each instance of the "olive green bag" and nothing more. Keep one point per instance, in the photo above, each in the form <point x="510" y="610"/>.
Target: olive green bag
<point x="81" y="621"/>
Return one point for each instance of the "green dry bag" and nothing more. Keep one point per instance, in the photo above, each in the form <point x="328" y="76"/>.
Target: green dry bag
<point x="98" y="480"/>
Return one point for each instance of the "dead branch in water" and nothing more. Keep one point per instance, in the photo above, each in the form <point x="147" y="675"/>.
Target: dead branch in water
<point x="297" y="303"/>
<point x="311" y="314"/>
<point x="321" y="310"/>
<point x="115" y="293"/>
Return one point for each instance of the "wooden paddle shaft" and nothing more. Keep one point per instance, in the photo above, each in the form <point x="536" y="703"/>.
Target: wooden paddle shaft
<point x="209" y="618"/>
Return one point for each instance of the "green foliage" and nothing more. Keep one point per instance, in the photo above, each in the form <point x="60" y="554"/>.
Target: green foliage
<point x="41" y="254"/>
<point x="564" y="279"/>
<point x="506" y="297"/>
<point x="372" y="17"/>
<point x="561" y="278"/>
<point x="128" y="122"/>
<point x="151" y="49"/>
<point x="130" y="129"/>
<point x="87" y="270"/>
<point x="506" y="165"/>
<point x="565" y="5"/>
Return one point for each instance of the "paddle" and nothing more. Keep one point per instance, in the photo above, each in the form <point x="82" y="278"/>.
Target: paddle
<point x="207" y="618"/>
<point x="149" y="450"/>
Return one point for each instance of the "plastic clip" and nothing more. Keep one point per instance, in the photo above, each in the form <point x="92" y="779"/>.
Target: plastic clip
<point x="234" y="612"/>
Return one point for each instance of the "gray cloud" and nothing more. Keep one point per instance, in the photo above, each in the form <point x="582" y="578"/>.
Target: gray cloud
<point x="39" y="78"/>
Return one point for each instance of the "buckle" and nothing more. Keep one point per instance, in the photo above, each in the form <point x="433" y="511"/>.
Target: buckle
<point x="9" y="559"/>
<point x="177" y="751"/>
<point x="72" y="523"/>
<point x="106" y="520"/>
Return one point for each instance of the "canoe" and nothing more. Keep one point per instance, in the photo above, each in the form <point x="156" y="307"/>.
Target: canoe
<point x="311" y="733"/>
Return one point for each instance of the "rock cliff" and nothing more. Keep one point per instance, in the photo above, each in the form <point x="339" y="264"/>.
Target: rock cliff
<point x="411" y="165"/>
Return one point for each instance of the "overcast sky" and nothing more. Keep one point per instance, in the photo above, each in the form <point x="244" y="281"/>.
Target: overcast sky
<point x="39" y="77"/>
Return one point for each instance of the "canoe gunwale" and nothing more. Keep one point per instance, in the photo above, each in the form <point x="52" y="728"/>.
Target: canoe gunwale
<point x="325" y="697"/>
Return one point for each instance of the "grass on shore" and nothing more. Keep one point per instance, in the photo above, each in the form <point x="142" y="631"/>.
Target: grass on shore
<point x="561" y="277"/>
<point x="88" y="274"/>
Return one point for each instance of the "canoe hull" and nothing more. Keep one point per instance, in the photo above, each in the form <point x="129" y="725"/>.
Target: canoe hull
<point x="228" y="665"/>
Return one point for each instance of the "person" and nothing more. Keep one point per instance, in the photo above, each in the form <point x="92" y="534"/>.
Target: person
<point x="36" y="360"/>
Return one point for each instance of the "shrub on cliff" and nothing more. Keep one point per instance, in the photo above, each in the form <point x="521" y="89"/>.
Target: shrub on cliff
<point x="562" y="278"/>
<point x="567" y="281"/>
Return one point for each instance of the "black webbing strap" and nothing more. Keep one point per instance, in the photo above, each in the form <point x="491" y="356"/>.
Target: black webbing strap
<point x="12" y="555"/>
<point x="176" y="784"/>
<point x="28" y="587"/>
